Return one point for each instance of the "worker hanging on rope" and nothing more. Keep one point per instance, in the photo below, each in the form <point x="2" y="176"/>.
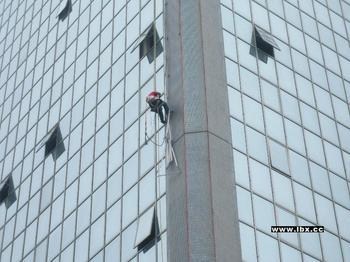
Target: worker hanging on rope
<point x="158" y="106"/>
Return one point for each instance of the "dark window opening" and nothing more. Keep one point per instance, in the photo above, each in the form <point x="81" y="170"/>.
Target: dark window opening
<point x="147" y="231"/>
<point x="64" y="9"/>
<point x="54" y="144"/>
<point x="149" y="44"/>
<point x="7" y="192"/>
<point x="262" y="44"/>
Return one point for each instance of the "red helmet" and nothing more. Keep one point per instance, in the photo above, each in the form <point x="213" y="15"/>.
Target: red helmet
<point x="153" y="95"/>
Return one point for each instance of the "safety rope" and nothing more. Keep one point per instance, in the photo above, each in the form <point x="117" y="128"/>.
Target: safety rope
<point x="149" y="139"/>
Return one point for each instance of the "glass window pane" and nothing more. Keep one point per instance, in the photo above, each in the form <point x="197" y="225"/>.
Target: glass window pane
<point x="114" y="189"/>
<point x="296" y="36"/>
<point x="344" y="135"/>
<point x="43" y="225"/>
<point x="68" y="230"/>
<point x="282" y="188"/>
<point x="112" y="251"/>
<point x="244" y="28"/>
<point x="244" y="203"/>
<point x="130" y="172"/>
<point x="300" y="60"/>
<point x="128" y="238"/>
<point x="131" y="140"/>
<point x="318" y="74"/>
<point x="71" y="198"/>
<point x="115" y="155"/>
<point x="320" y="180"/>
<point x="130" y="206"/>
<point x="98" y="202"/>
<point x="329" y="130"/>
<point x="343" y="216"/>
<point x="147" y="191"/>
<point x="278" y="27"/>
<point x="83" y="220"/>
<point x="274" y="125"/>
<point x="290" y="107"/>
<point x="270" y="94"/>
<point x="81" y="246"/>
<point x="253" y="113"/>
<point x="235" y="102"/>
<point x="241" y="168"/>
<point x="325" y="212"/>
<point x="113" y="221"/>
<point x="309" y="23"/>
<point x="299" y="168"/>
<point x="263" y="213"/>
<point x="330" y="57"/>
<point x="268" y="70"/>
<point x="54" y="238"/>
<point x="256" y="145"/>
<point x="279" y="158"/>
<point x="305" y="90"/>
<point x="341" y="111"/>
<point x="286" y="77"/>
<point x="232" y="73"/>
<point x="331" y="247"/>
<point x="227" y="19"/>
<point x="304" y="202"/>
<point x="314" y="148"/>
<point x="290" y="254"/>
<point x="238" y="135"/>
<point x="285" y="218"/>
<point x="295" y="138"/>
<point x="310" y="119"/>
<point x="310" y="242"/>
<point x="260" y="179"/>
<point x="323" y="101"/>
<point x="144" y="226"/>
<point x="260" y="16"/>
<point x="247" y="243"/>
<point x="97" y="233"/>
<point x="336" y="83"/>
<point x="334" y="159"/>
<point x="313" y="47"/>
<point x="267" y="248"/>
<point x="346" y="250"/>
<point x="247" y="61"/>
<point x="340" y="190"/>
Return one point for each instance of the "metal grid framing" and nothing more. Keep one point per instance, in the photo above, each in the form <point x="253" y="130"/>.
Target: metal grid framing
<point x="323" y="78"/>
<point x="81" y="73"/>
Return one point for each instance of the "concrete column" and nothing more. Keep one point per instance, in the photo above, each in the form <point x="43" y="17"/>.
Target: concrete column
<point x="202" y="221"/>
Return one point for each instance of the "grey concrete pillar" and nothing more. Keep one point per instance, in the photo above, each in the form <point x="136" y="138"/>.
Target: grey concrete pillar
<point x="202" y="221"/>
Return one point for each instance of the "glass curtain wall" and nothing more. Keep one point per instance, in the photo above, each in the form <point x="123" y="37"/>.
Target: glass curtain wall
<point x="290" y="126"/>
<point x="86" y="75"/>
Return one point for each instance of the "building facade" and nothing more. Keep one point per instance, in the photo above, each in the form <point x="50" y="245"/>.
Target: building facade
<point x="290" y="122"/>
<point x="259" y="92"/>
<point x="80" y="77"/>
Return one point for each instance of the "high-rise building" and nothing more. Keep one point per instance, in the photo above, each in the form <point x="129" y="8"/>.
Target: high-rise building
<point x="259" y="94"/>
<point x="83" y="182"/>
<point x="288" y="77"/>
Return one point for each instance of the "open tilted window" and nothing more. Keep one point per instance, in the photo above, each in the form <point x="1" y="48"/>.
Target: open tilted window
<point x="262" y="44"/>
<point x="279" y="157"/>
<point x="147" y="230"/>
<point x="54" y="143"/>
<point x="64" y="9"/>
<point x="7" y="192"/>
<point x="149" y="44"/>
